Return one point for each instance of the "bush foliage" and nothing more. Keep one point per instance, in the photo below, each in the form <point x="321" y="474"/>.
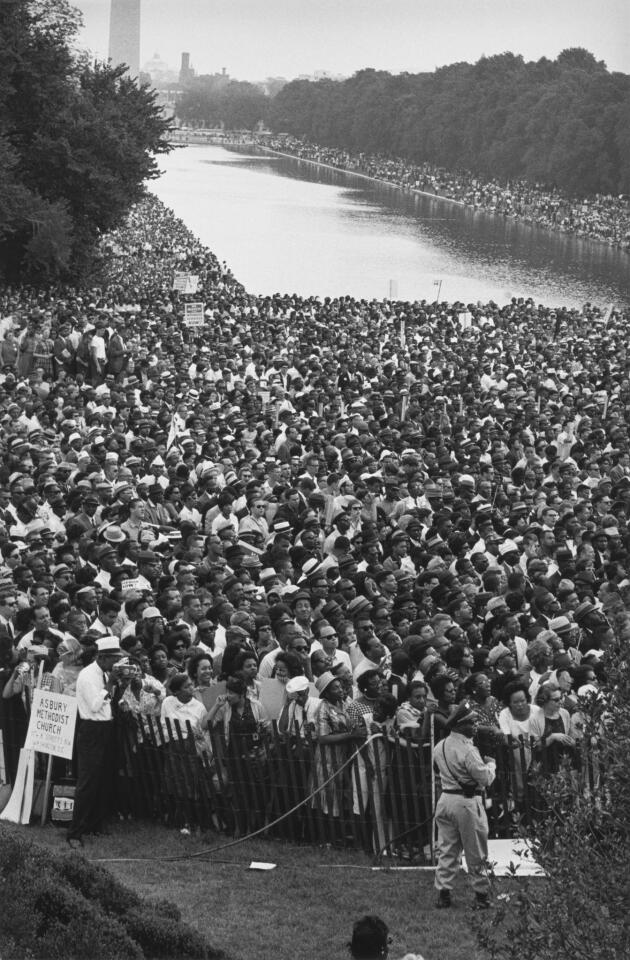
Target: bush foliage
<point x="582" y="841"/>
<point x="63" y="907"/>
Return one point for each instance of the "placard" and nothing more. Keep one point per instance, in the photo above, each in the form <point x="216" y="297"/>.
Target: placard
<point x="273" y="696"/>
<point x="194" y="315"/>
<point x="131" y="584"/>
<point x="212" y="693"/>
<point x="185" y="282"/>
<point x="52" y="723"/>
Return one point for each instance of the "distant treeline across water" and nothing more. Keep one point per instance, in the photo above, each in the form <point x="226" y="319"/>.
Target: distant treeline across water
<point x="562" y="123"/>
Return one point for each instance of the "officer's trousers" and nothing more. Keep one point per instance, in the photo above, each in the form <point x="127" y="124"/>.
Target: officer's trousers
<point x="462" y="826"/>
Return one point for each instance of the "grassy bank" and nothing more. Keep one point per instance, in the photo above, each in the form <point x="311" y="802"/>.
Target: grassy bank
<point x="303" y="908"/>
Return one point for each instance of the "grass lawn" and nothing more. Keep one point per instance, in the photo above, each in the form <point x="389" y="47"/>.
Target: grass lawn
<point x="303" y="909"/>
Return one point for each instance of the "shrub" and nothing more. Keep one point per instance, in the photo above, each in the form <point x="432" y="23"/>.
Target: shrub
<point x="62" y="908"/>
<point x="582" y="841"/>
<point x="95" y="883"/>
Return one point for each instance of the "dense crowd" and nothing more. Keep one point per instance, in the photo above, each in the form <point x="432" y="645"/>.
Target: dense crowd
<point x="389" y="507"/>
<point x="599" y="217"/>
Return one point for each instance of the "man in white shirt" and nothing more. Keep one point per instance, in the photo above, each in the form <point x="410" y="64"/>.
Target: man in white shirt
<point x="95" y="742"/>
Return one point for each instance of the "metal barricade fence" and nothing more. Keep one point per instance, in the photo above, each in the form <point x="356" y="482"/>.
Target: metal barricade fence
<point x="377" y="797"/>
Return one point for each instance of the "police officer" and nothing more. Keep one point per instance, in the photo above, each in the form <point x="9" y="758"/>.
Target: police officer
<point x="460" y="815"/>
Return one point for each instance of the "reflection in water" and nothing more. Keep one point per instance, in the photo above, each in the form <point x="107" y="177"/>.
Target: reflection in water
<point x="287" y="225"/>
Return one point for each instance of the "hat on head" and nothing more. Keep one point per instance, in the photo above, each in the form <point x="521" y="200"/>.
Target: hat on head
<point x="466" y="480"/>
<point x="267" y="573"/>
<point x="309" y="568"/>
<point x="463" y="715"/>
<point x="359" y="605"/>
<point x="150" y="613"/>
<point x="583" y="610"/>
<point x="298" y="684"/>
<point x="331" y="607"/>
<point x="497" y="652"/>
<point x="560" y="625"/>
<point x="323" y="682"/>
<point x="113" y="534"/>
<point x="110" y="645"/>
<point x="282" y="526"/>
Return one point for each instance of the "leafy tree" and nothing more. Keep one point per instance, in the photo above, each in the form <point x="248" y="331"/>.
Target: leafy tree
<point x="212" y="102"/>
<point x="79" y="140"/>
<point x="582" y="842"/>
<point x="562" y="122"/>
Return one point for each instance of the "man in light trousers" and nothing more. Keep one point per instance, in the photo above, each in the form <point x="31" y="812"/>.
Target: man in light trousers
<point x="460" y="815"/>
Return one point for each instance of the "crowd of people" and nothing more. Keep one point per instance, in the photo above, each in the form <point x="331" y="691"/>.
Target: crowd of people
<point x="602" y="218"/>
<point x="389" y="507"/>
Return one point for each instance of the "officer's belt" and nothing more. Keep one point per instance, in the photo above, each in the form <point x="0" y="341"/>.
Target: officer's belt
<point x="477" y="793"/>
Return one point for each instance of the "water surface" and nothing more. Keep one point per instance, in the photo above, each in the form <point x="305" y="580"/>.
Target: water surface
<point x="287" y="225"/>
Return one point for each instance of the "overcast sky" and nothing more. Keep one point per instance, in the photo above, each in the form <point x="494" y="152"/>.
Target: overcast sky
<point x="254" y="39"/>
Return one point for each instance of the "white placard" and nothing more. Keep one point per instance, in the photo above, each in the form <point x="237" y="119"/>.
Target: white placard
<point x="52" y="723"/>
<point x="193" y="314"/>
<point x="132" y="584"/>
<point x="185" y="282"/>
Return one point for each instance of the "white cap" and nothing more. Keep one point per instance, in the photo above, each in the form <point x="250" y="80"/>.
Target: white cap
<point x="297" y="685"/>
<point x="109" y="644"/>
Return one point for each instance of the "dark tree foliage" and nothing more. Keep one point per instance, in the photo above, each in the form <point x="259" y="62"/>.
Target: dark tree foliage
<point x="562" y="123"/>
<point x="581" y="839"/>
<point x="211" y="102"/>
<point x="77" y="142"/>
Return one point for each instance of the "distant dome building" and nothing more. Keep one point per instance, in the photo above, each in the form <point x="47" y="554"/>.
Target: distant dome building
<point x="159" y="71"/>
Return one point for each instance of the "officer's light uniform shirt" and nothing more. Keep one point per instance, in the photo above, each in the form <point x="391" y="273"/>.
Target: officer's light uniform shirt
<point x="460" y="763"/>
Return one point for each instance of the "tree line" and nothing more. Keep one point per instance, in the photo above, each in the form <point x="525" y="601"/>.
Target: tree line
<point x="236" y="105"/>
<point x="563" y="122"/>
<point x="77" y="142"/>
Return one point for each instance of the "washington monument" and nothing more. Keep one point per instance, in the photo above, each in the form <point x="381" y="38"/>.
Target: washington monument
<point x="124" y="34"/>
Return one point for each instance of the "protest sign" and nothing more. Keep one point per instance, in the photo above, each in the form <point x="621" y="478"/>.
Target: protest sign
<point x="211" y="694"/>
<point x="52" y="723"/>
<point x="272" y="697"/>
<point x="193" y="314"/>
<point x="185" y="282"/>
<point x="132" y="584"/>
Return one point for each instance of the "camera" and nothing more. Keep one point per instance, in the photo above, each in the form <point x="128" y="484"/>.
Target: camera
<point x="125" y="671"/>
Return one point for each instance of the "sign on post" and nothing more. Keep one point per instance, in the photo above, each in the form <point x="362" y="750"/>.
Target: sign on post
<point x="52" y="723"/>
<point x="193" y="315"/>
